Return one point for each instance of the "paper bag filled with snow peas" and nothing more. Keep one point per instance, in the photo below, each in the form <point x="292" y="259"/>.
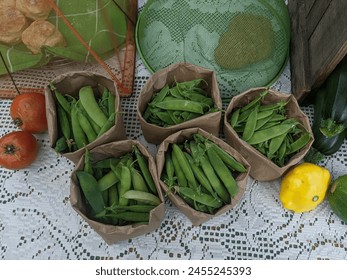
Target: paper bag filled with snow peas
<point x="115" y="188"/>
<point x="83" y="111"/>
<point x="270" y="130"/>
<point x="201" y="174"/>
<point x="177" y="97"/>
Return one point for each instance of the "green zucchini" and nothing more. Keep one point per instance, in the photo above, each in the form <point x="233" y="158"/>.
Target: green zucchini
<point x="330" y="112"/>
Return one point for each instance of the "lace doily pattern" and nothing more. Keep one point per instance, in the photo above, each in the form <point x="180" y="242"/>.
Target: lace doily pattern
<point x="38" y="222"/>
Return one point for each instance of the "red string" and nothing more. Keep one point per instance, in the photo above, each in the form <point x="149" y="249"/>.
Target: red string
<point x="90" y="50"/>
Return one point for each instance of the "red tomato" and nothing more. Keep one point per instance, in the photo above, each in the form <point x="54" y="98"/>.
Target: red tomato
<point x="18" y="149"/>
<point x="28" y="111"/>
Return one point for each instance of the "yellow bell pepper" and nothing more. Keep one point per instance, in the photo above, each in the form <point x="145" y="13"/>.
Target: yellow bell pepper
<point x="304" y="187"/>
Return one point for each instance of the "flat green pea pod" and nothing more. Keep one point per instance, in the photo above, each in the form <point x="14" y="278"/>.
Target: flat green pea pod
<point x="202" y="198"/>
<point x="275" y="143"/>
<point x="80" y="138"/>
<point x="170" y="170"/>
<point x="184" y="164"/>
<point x="223" y="172"/>
<point x="107" y="125"/>
<point x="87" y="162"/>
<point x="235" y="117"/>
<point x="86" y="127"/>
<point x="107" y="180"/>
<point x="62" y="101"/>
<point x="157" y="97"/>
<point x="269" y="133"/>
<point x="229" y="160"/>
<point x="113" y="200"/>
<point x="255" y="101"/>
<point x="182" y="105"/>
<point x="142" y="208"/>
<point x="300" y="142"/>
<point x="214" y="180"/>
<point x="125" y="184"/>
<point x="64" y="122"/>
<point x="143" y="164"/>
<point x="142" y="197"/>
<point x="137" y="180"/>
<point x="91" y="191"/>
<point x="250" y="124"/>
<point x="111" y="103"/>
<point x="200" y="176"/>
<point x="181" y="178"/>
<point x="91" y="106"/>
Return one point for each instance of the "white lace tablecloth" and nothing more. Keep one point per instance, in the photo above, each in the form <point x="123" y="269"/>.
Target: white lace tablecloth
<point x="38" y="222"/>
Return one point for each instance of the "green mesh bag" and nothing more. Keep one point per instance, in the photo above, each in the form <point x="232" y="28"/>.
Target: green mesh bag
<point x="94" y="20"/>
<point x="246" y="42"/>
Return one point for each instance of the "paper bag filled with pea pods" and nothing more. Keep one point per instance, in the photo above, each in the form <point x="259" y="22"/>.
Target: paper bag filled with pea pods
<point x="83" y="109"/>
<point x="201" y="174"/>
<point x="115" y="189"/>
<point x="180" y="96"/>
<point x="269" y="129"/>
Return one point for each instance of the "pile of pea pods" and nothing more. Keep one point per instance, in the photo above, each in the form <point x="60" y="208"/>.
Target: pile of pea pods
<point x="118" y="190"/>
<point x="268" y="129"/>
<point x="180" y="103"/>
<point x="83" y="119"/>
<point x="201" y="173"/>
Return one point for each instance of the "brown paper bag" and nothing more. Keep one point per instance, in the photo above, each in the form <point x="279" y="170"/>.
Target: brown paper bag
<point x="179" y="72"/>
<point x="262" y="168"/>
<point x="110" y="233"/>
<point x="70" y="83"/>
<point x="197" y="217"/>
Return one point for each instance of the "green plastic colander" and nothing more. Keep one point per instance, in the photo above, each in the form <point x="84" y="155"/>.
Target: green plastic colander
<point x="246" y="42"/>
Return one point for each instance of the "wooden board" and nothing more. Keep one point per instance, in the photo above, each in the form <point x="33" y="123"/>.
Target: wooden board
<point x="318" y="41"/>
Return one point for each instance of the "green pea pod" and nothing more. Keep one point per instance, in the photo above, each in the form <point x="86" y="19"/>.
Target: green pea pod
<point x="144" y="170"/>
<point x="86" y="127"/>
<point x="137" y="180"/>
<point x="91" y="106"/>
<point x="300" y="142"/>
<point x="181" y="178"/>
<point x="255" y="101"/>
<point x="125" y="184"/>
<point x="91" y="191"/>
<point x="113" y="199"/>
<point x="111" y="103"/>
<point x="276" y="142"/>
<point x="199" y="174"/>
<point x="269" y="133"/>
<point x="63" y="102"/>
<point x="223" y="172"/>
<point x="107" y="180"/>
<point x="214" y="180"/>
<point x="142" y="197"/>
<point x="184" y="164"/>
<point x="235" y="117"/>
<point x="107" y="125"/>
<point x="64" y="122"/>
<point x="182" y="105"/>
<point x="160" y="95"/>
<point x="202" y="198"/>
<point x="250" y="124"/>
<point x="228" y="159"/>
<point x="87" y="162"/>
<point x="79" y="136"/>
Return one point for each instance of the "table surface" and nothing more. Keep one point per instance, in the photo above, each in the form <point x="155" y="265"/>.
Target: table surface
<point x="38" y="222"/>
